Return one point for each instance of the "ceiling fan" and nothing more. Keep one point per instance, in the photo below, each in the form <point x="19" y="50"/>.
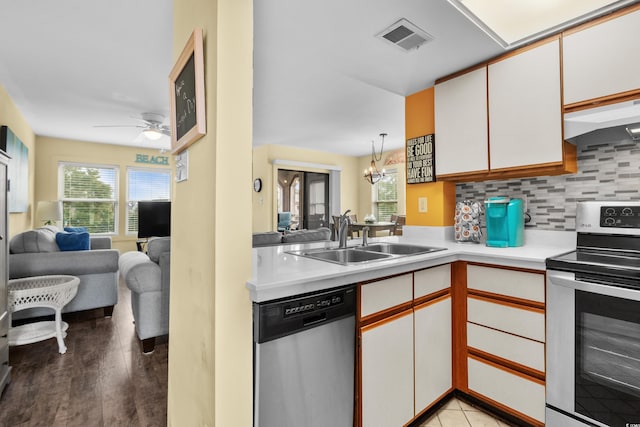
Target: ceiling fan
<point x="152" y="129"/>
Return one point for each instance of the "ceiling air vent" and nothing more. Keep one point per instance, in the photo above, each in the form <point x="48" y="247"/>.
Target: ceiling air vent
<point x="405" y="35"/>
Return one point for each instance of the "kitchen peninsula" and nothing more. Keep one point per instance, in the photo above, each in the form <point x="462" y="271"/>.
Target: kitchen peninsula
<point x="277" y="274"/>
<point x="469" y="319"/>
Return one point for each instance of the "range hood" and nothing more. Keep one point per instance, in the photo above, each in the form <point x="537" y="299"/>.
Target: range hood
<point x="624" y="115"/>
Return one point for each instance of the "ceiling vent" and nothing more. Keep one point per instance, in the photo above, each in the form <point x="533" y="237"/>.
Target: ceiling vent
<point x="405" y="35"/>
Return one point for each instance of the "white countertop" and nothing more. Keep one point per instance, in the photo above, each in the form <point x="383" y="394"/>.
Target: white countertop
<point x="277" y="274"/>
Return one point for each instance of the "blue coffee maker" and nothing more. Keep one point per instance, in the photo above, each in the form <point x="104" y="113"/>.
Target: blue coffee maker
<point x="505" y="222"/>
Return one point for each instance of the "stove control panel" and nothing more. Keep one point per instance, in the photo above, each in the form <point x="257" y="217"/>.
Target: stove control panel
<point x="608" y="217"/>
<point x="620" y="216"/>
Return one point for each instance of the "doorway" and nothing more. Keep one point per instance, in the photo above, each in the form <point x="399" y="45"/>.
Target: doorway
<point x="306" y="196"/>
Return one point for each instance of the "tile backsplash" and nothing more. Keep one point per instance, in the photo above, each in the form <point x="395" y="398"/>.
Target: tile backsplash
<point x="606" y="171"/>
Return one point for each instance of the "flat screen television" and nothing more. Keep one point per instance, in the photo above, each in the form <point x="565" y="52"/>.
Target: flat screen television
<point x="154" y="219"/>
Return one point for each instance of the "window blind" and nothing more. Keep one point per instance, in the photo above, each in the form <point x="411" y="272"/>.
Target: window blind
<point x="90" y="197"/>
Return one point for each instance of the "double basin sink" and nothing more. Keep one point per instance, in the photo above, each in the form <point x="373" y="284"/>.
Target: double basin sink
<point x="360" y="254"/>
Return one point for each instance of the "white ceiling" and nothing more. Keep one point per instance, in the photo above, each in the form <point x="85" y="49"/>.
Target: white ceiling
<point x="70" y="65"/>
<point x="322" y="80"/>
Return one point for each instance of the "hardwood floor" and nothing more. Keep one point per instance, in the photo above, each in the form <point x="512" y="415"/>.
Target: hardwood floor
<point x="103" y="379"/>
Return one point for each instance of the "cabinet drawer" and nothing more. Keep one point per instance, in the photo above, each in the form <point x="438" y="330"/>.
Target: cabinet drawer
<point x="384" y="294"/>
<point x="528" y="323"/>
<point x="516" y="349"/>
<point x="431" y="280"/>
<point x="508" y="388"/>
<point x="518" y="284"/>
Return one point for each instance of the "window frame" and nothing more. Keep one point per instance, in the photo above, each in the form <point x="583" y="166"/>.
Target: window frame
<point x="374" y="194"/>
<point x="116" y="191"/>
<point x="127" y="232"/>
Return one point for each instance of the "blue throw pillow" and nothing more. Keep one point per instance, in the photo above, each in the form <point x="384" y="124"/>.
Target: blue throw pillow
<point x="76" y="229"/>
<point x="73" y="241"/>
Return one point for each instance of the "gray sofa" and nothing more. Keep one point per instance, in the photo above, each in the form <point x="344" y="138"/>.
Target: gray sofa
<point x="36" y="253"/>
<point x="272" y="238"/>
<point x="147" y="276"/>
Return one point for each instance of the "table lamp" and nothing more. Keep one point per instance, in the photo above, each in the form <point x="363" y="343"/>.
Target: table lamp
<point x="50" y="212"/>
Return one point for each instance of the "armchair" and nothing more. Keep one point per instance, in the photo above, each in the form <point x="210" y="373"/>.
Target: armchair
<point x="147" y="276"/>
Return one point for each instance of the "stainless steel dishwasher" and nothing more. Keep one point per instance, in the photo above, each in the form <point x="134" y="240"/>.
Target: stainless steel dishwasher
<point x="304" y="358"/>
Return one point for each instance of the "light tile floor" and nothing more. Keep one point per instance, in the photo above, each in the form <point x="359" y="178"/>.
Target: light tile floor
<point x="456" y="413"/>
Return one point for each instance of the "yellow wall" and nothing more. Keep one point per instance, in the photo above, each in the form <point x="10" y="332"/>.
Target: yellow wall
<point x="52" y="151"/>
<point x="355" y="192"/>
<point x="265" y="202"/>
<point x="210" y="345"/>
<point x="12" y="117"/>
<point x="441" y="196"/>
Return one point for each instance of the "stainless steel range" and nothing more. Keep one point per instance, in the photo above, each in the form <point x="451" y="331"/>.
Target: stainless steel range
<point x="593" y="321"/>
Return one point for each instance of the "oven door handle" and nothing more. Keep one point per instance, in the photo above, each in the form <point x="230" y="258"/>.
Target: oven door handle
<point x="568" y="280"/>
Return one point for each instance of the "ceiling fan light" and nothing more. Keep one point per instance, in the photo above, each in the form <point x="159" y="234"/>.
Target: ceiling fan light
<point x="152" y="134"/>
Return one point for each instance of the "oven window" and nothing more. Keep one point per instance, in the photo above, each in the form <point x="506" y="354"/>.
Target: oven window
<point x="607" y="359"/>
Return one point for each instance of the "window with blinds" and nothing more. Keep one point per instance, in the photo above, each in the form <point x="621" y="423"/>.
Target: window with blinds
<point x="385" y="196"/>
<point x="145" y="184"/>
<point x="89" y="197"/>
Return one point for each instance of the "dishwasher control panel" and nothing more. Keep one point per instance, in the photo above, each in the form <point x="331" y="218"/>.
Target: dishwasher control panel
<point x="309" y="305"/>
<point x="275" y="319"/>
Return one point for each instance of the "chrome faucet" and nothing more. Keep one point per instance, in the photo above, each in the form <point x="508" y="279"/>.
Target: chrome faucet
<point x="343" y="225"/>
<point x="365" y="232"/>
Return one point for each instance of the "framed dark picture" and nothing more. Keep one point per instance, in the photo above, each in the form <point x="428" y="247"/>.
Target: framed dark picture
<point x="421" y="161"/>
<point x="186" y="88"/>
<point x="18" y="173"/>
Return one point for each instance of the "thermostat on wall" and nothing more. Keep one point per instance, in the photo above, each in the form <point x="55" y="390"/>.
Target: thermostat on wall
<point x="182" y="166"/>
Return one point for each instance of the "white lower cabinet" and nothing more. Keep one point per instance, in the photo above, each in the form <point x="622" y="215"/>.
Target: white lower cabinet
<point x="433" y="353"/>
<point x="506" y="339"/>
<point x="406" y="343"/>
<point x="515" y="391"/>
<point x="387" y="371"/>
<point x="406" y="357"/>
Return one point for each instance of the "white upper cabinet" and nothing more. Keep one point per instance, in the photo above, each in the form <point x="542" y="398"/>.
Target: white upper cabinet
<point x="525" y="117"/>
<point x="461" y="124"/>
<point x="602" y="60"/>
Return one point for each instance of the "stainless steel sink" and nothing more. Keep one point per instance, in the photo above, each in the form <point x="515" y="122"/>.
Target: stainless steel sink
<point x="341" y="256"/>
<point x="399" y="248"/>
<point x="360" y="254"/>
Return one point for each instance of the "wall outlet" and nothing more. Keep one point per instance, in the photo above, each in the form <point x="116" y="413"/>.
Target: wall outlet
<point x="422" y="204"/>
